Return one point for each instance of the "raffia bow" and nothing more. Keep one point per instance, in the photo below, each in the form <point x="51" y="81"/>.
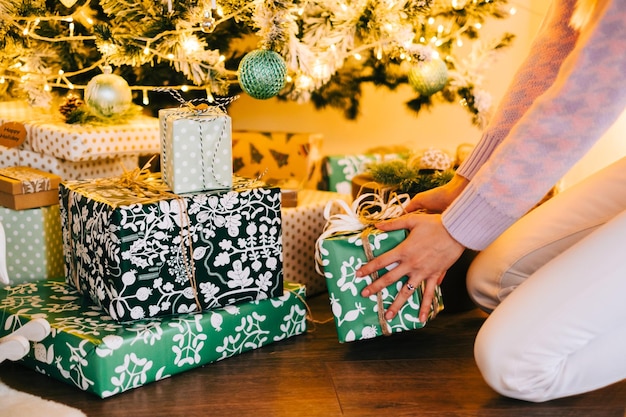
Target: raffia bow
<point x="365" y="211"/>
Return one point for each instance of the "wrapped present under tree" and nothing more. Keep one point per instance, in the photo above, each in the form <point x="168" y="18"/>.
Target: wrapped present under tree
<point x="140" y="251"/>
<point x="341" y="251"/>
<point x="196" y="148"/>
<point x="24" y="188"/>
<point x="33" y="243"/>
<point x="88" y="350"/>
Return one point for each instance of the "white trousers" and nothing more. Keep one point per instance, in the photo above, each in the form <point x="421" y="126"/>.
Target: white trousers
<point x="555" y="284"/>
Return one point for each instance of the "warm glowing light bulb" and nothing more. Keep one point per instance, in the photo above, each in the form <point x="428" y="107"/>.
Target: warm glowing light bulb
<point x="512" y="11"/>
<point x="184" y="88"/>
<point x="303" y="82"/>
<point x="191" y="44"/>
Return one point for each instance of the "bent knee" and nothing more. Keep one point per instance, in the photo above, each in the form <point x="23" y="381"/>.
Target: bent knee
<point x="509" y="369"/>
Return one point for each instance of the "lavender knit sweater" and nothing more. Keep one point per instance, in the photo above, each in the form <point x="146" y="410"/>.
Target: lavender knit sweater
<point x="566" y="94"/>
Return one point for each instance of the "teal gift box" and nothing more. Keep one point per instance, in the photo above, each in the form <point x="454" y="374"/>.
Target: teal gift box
<point x="89" y="350"/>
<point x="196" y="149"/>
<point x="33" y="243"/>
<point x="139" y="255"/>
<point x="339" y="170"/>
<point x="356" y="317"/>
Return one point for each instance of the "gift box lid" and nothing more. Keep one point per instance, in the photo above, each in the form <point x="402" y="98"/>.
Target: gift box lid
<point x="26" y="180"/>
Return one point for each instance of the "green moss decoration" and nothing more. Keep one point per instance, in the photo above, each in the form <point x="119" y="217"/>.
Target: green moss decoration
<point x="406" y="179"/>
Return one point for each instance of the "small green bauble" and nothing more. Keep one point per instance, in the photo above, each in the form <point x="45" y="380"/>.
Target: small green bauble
<point x="262" y="73"/>
<point x="108" y="94"/>
<point x="429" y="77"/>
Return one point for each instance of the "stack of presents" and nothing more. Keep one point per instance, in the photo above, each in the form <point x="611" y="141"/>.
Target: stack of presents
<point x="144" y="274"/>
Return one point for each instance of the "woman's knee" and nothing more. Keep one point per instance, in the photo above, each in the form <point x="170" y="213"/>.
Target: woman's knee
<point x="509" y="368"/>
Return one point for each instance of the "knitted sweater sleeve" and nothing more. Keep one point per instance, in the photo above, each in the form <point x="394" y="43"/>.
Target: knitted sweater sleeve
<point x="565" y="96"/>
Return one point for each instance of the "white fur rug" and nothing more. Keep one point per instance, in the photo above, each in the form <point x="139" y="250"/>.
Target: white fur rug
<point x="20" y="404"/>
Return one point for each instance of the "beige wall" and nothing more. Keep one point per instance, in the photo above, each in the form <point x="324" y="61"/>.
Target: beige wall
<point x="385" y="120"/>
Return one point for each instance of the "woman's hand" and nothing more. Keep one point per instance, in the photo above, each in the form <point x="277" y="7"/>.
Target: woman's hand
<point x="425" y="255"/>
<point x="436" y="200"/>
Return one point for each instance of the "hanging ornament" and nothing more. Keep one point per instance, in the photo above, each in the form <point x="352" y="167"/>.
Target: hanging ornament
<point x="429" y="77"/>
<point x="208" y="22"/>
<point x="68" y="3"/>
<point x="262" y="73"/>
<point x="108" y="94"/>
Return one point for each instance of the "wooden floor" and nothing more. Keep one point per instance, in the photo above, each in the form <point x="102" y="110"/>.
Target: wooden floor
<point x="427" y="372"/>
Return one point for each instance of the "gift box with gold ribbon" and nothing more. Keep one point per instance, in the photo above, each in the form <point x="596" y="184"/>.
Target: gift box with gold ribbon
<point x="347" y="243"/>
<point x="140" y="251"/>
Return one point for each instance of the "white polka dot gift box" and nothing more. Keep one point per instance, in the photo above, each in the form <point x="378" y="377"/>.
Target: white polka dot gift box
<point x="196" y="149"/>
<point x="48" y="134"/>
<point x="33" y="243"/>
<point x="302" y="225"/>
<point x="68" y="170"/>
<point x="139" y="251"/>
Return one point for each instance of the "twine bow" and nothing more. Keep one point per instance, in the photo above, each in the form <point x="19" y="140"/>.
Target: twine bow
<point x="198" y="105"/>
<point x="361" y="215"/>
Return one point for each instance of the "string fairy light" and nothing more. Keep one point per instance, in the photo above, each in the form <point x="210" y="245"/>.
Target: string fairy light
<point x="313" y="56"/>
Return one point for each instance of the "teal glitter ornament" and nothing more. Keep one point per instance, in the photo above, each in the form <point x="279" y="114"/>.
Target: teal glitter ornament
<point x="429" y="77"/>
<point x="108" y="94"/>
<point x="262" y="73"/>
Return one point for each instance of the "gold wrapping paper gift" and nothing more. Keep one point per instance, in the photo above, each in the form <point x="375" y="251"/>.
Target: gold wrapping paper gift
<point x="24" y="188"/>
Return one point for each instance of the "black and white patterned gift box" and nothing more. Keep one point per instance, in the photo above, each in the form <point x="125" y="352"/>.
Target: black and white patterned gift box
<point x="138" y="256"/>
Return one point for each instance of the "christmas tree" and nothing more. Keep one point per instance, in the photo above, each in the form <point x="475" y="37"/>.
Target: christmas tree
<point x="320" y="51"/>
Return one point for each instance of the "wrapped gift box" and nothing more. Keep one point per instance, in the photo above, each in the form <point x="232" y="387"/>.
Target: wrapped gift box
<point x="47" y="133"/>
<point x="356" y="317"/>
<point x="279" y="157"/>
<point x="33" y="243"/>
<point x="68" y="170"/>
<point x="302" y="225"/>
<point x="196" y="149"/>
<point x="339" y="170"/>
<point x="88" y="350"/>
<point x="141" y="256"/>
<point x="24" y="187"/>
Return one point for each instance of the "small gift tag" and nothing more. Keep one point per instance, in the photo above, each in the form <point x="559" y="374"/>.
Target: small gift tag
<point x="12" y="134"/>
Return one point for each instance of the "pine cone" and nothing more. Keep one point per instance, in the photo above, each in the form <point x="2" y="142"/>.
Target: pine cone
<point x="72" y="103"/>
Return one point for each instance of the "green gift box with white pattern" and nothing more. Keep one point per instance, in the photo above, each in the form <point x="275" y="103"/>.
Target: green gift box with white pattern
<point x="339" y="170"/>
<point x="89" y="350"/>
<point x="34" y="248"/>
<point x="356" y="317"/>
